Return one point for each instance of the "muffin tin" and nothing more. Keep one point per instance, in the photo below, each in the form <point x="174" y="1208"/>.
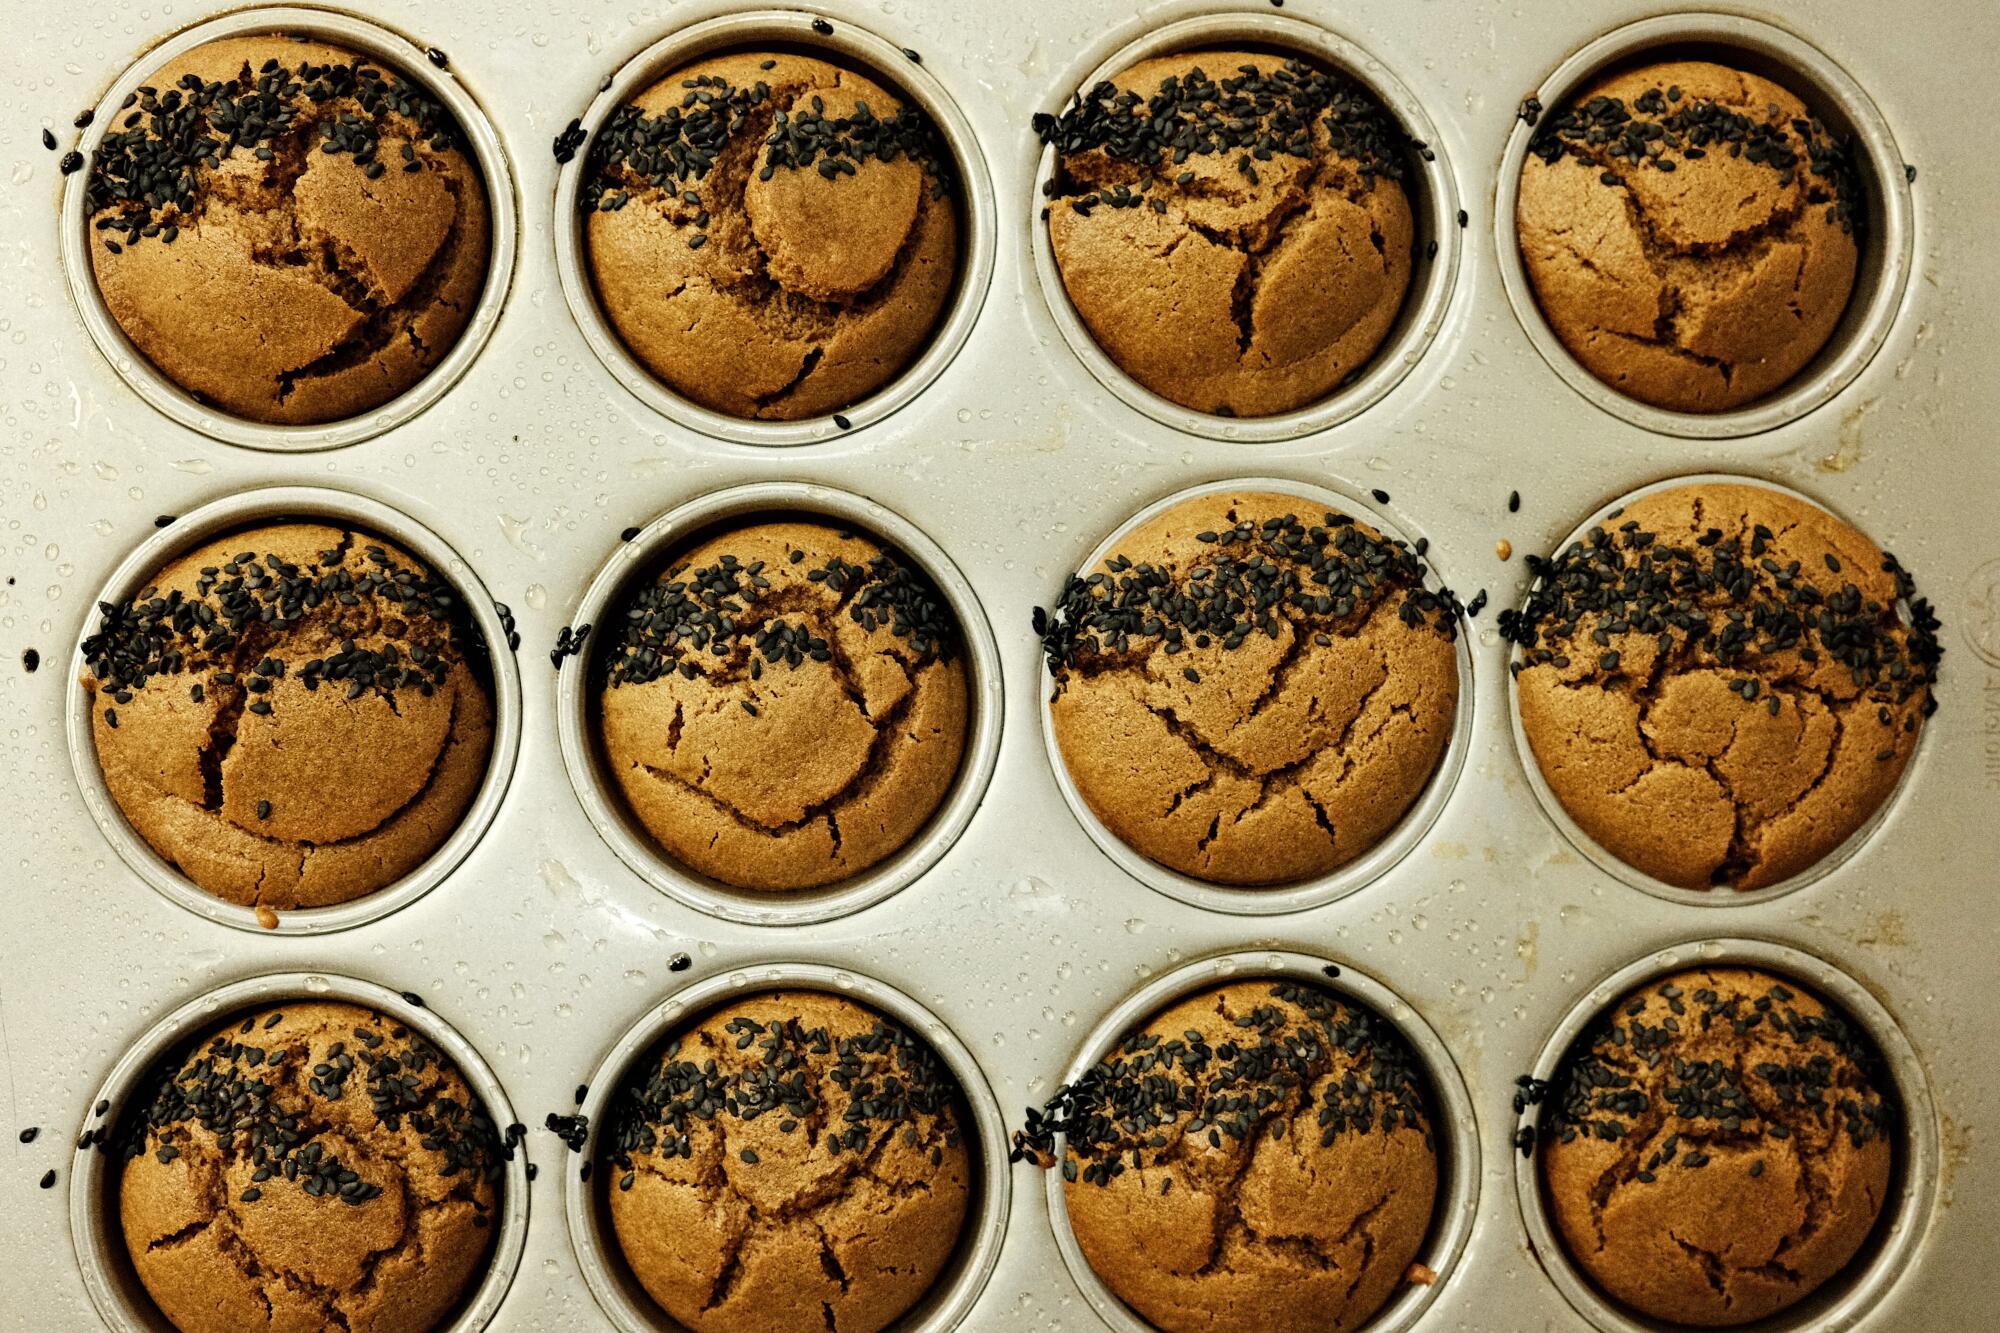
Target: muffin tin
<point x="1010" y="455"/>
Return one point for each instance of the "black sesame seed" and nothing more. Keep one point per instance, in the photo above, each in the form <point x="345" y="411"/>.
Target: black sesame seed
<point x="49" y="1179"/>
<point x="842" y="422"/>
<point x="31" y="660"/>
<point x="822" y="27"/>
<point x="436" y="57"/>
<point x="29" y="1134"/>
<point x="48" y="139"/>
<point x="1381" y="496"/>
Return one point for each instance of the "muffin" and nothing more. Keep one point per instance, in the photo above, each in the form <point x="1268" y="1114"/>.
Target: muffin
<point x="1251" y="697"/>
<point x="792" y="1160"/>
<point x="285" y="230"/>
<point x="1231" y="226"/>
<point x="785" y="706"/>
<point x="1256" y="1158"/>
<point x="773" y="236"/>
<point x="1718" y="1147"/>
<point x="1717" y="685"/>
<point x="1689" y="232"/>
<point x="294" y="716"/>
<point x="309" y="1166"/>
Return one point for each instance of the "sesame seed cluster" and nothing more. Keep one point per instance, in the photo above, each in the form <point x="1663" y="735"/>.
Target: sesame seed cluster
<point x="316" y="1162"/>
<point x="1662" y="128"/>
<point x="684" y="142"/>
<point x="1329" y="575"/>
<point x="712" y="609"/>
<point x="1732" y="1111"/>
<point x="793" y="1159"/>
<point x="1252" y="116"/>
<point x="145" y="177"/>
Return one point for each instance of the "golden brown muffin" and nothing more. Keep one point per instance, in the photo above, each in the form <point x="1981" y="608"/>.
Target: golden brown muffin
<point x="1718" y="1146"/>
<point x="772" y="235"/>
<point x="1689" y="231"/>
<point x="1256" y="1158"/>
<point x="785" y="706"/>
<point x="1717" y="686"/>
<point x="294" y="716"/>
<point x="1251" y="690"/>
<point x="794" y="1161"/>
<point x="286" y="230"/>
<point x="1230" y="226"/>
<point x="312" y="1165"/>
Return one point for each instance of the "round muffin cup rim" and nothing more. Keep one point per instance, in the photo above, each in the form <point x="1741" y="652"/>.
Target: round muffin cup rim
<point x="1432" y="280"/>
<point x="606" y="809"/>
<point x="1810" y="388"/>
<point x="874" y="54"/>
<point x="1603" y="857"/>
<point x="1455" y="1122"/>
<point x="277" y="504"/>
<point x="983" y="1233"/>
<point x="364" y="37"/>
<point x="1918" y="1136"/>
<point x="1351" y="876"/>
<point x="93" y="1237"/>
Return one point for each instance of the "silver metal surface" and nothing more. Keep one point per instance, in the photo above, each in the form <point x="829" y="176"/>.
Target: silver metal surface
<point x="543" y="944"/>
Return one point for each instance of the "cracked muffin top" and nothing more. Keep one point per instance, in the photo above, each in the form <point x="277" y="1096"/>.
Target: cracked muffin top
<point x="1255" y="1158"/>
<point x="1718" y="685"/>
<point x="1716" y="1146"/>
<point x="785" y="706"/>
<point x="1231" y="226"/>
<point x="285" y="229"/>
<point x="294" y="716"/>
<point x="773" y="235"/>
<point x="792" y="1160"/>
<point x="1251" y="690"/>
<point x="316" y="1165"/>
<point x="1689" y="232"/>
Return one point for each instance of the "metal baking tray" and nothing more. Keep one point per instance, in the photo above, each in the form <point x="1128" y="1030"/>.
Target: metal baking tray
<point x="547" y="946"/>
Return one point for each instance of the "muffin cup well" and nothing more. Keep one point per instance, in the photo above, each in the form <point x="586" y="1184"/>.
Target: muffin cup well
<point x="1845" y="1298"/>
<point x="114" y="1286"/>
<point x="1434" y="207"/>
<point x="1886" y="242"/>
<point x="1344" y="879"/>
<point x="1603" y="857"/>
<point x="641" y="558"/>
<point x="1455" y="1129"/>
<point x="837" y="38"/>
<point x="406" y="58"/>
<point x="626" y="1304"/>
<point x="273" y="505"/>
